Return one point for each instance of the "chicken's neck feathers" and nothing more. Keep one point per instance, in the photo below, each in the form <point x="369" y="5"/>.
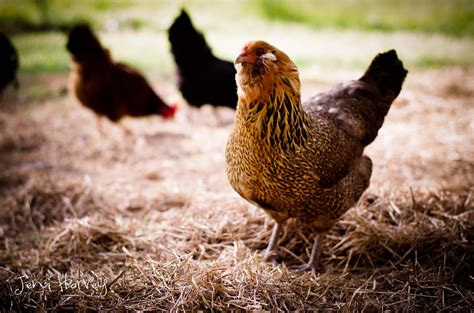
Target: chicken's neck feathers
<point x="93" y="61"/>
<point x="277" y="116"/>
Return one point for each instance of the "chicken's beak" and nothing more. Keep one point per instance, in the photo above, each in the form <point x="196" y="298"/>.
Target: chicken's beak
<point x="245" y="57"/>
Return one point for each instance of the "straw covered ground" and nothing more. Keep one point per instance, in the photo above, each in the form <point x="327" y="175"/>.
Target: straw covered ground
<point x="147" y="220"/>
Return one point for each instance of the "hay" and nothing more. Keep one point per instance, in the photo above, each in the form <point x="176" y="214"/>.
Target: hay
<point x="148" y="221"/>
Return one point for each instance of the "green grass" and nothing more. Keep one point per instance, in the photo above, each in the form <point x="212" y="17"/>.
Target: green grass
<point x="433" y="62"/>
<point x="42" y="52"/>
<point x="453" y="17"/>
<point x="36" y="13"/>
<point x="135" y="31"/>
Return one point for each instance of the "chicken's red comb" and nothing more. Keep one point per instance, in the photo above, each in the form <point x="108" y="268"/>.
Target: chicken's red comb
<point x="170" y="112"/>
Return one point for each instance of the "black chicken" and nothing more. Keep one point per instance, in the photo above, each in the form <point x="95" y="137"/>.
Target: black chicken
<point x="8" y="63"/>
<point x="204" y="79"/>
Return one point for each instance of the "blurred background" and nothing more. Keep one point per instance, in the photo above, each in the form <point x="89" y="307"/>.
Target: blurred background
<point x="323" y="37"/>
<point x="75" y="200"/>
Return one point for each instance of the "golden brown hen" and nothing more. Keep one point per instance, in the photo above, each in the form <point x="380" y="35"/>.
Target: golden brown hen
<point x="305" y="161"/>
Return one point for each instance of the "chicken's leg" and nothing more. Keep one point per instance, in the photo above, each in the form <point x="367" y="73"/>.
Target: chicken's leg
<point x="126" y="132"/>
<point x="312" y="264"/>
<point x="272" y="244"/>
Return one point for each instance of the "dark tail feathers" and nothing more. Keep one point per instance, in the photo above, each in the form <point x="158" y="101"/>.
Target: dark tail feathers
<point x="388" y="74"/>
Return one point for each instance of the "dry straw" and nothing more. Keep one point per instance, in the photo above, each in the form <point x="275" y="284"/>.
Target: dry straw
<point x="148" y="221"/>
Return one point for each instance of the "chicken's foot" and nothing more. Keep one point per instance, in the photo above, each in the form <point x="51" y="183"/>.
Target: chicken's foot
<point x="313" y="264"/>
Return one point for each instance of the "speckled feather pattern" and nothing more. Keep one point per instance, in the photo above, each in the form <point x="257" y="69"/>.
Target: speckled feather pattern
<point x="299" y="161"/>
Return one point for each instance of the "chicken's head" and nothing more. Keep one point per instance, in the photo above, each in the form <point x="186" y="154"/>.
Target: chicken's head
<point x="259" y="65"/>
<point x="168" y="112"/>
<point x="82" y="42"/>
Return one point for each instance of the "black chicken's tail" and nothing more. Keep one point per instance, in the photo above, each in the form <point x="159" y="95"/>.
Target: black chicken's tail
<point x="359" y="107"/>
<point x="387" y="73"/>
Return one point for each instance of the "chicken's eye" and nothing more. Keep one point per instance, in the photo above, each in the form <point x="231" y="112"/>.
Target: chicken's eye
<point x="259" y="51"/>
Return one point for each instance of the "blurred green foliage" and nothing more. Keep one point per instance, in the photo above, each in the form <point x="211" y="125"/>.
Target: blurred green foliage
<point x="42" y="52"/>
<point x="438" y="32"/>
<point x="27" y="15"/>
<point x="454" y="17"/>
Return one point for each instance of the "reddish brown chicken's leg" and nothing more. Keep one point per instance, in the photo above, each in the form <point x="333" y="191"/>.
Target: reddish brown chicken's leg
<point x="127" y="132"/>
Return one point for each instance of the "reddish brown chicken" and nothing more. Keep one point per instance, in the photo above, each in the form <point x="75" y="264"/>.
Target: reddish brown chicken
<point x="108" y="88"/>
<point x="305" y="161"/>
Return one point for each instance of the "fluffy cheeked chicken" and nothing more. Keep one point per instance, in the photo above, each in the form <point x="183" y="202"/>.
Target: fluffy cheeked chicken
<point x="305" y="160"/>
<point x="109" y="88"/>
